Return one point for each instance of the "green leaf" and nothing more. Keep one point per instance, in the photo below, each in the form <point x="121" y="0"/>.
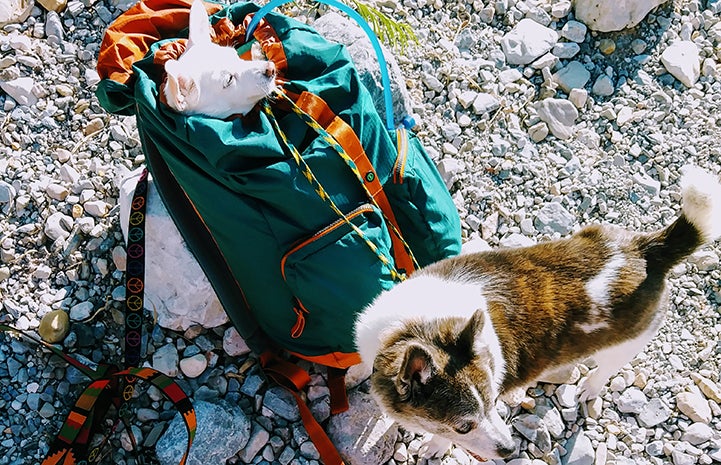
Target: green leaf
<point x="389" y="31"/>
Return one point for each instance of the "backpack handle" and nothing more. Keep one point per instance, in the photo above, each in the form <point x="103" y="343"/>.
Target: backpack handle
<point x="385" y="79"/>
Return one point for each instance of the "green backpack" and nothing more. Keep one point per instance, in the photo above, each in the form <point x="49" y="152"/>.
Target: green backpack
<point x="301" y="212"/>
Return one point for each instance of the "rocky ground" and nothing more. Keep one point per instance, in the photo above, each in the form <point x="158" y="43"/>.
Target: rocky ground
<point x="532" y="145"/>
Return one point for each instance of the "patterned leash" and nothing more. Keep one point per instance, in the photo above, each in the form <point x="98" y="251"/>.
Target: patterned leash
<point x="109" y="384"/>
<point x="308" y="174"/>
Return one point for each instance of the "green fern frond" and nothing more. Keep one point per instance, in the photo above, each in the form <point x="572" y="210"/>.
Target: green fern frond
<point x="389" y="31"/>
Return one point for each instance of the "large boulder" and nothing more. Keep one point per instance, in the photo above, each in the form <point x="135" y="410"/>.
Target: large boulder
<point x="337" y="28"/>
<point x="176" y="288"/>
<point x="613" y="15"/>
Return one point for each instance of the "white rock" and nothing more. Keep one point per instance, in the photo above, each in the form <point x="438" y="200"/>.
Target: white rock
<point x="485" y="103"/>
<point x="697" y="433"/>
<point x="566" y="394"/>
<point x="509" y="75"/>
<point x="651" y="185"/>
<point x="632" y="400"/>
<point x="58" y="225"/>
<point x="705" y="260"/>
<point x="681" y="458"/>
<point x="56" y="191"/>
<point x="613" y="15"/>
<point x="475" y="245"/>
<point x="559" y="114"/>
<point x="185" y="297"/>
<point x="574" y="31"/>
<point x="624" y="115"/>
<point x="538" y="131"/>
<point x="527" y="41"/>
<point x="194" y="366"/>
<point x="708" y="387"/>
<point x="97" y="208"/>
<point x="517" y="240"/>
<point x="449" y="169"/>
<point x="580" y="450"/>
<point x="21" y="90"/>
<point x="603" y="86"/>
<point x="15" y="11"/>
<point x="682" y="60"/>
<point x="572" y="76"/>
<point x="654" y="413"/>
<point x="694" y="406"/>
<point x="578" y="97"/>
<point x="233" y="344"/>
<point x="338" y="28"/>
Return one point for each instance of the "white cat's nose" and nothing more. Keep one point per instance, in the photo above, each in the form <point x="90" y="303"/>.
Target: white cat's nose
<point x="270" y="69"/>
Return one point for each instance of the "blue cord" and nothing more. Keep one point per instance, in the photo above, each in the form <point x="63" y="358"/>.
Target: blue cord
<point x="385" y="79"/>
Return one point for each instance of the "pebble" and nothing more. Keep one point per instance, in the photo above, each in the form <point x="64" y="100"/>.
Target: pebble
<point x="682" y="60"/>
<point x="603" y="86"/>
<point x="54" y="326"/>
<point x="607" y="16"/>
<point x="607" y="46"/>
<point x="485" y="103"/>
<point x="194" y="366"/>
<point x="654" y="413"/>
<point x="223" y="430"/>
<point x="574" y="31"/>
<point x="21" y="90"/>
<point x="566" y="395"/>
<point x="565" y="50"/>
<point x="697" y="433"/>
<point x="632" y="400"/>
<point x="572" y="76"/>
<point x="233" y="344"/>
<point x="560" y="116"/>
<point x="694" y="406"/>
<point x="527" y="41"/>
<point x="81" y="311"/>
<point x="707" y="387"/>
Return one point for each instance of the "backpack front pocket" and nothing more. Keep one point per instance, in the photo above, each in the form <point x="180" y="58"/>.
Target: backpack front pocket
<point x="334" y="274"/>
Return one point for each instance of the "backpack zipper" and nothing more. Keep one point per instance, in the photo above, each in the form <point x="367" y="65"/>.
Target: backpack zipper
<point x="298" y="307"/>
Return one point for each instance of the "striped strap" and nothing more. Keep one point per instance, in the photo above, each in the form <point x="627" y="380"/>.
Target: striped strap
<point x="318" y="114"/>
<point x="308" y="174"/>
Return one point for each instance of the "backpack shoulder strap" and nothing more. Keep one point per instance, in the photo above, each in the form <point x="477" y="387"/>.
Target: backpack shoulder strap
<point x="317" y="108"/>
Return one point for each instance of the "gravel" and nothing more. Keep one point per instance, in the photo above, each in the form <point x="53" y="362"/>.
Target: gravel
<point x="534" y="139"/>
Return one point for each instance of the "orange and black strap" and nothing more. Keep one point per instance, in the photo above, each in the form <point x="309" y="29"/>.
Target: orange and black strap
<point x="135" y="273"/>
<point x="294" y="379"/>
<point x="317" y="109"/>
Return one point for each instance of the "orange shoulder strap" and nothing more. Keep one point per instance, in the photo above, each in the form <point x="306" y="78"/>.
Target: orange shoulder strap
<point x="319" y="110"/>
<point x="294" y="379"/>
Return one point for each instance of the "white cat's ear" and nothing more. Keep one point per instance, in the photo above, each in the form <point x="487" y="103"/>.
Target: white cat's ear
<point x="199" y="27"/>
<point x="181" y="92"/>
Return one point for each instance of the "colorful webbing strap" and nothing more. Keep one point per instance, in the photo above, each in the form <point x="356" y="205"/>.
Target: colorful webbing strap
<point x="109" y="384"/>
<point x="135" y="273"/>
<point x="308" y="174"/>
<point x="338" y="147"/>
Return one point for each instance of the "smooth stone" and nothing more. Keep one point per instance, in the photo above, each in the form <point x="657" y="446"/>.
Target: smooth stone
<point x="54" y="326"/>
